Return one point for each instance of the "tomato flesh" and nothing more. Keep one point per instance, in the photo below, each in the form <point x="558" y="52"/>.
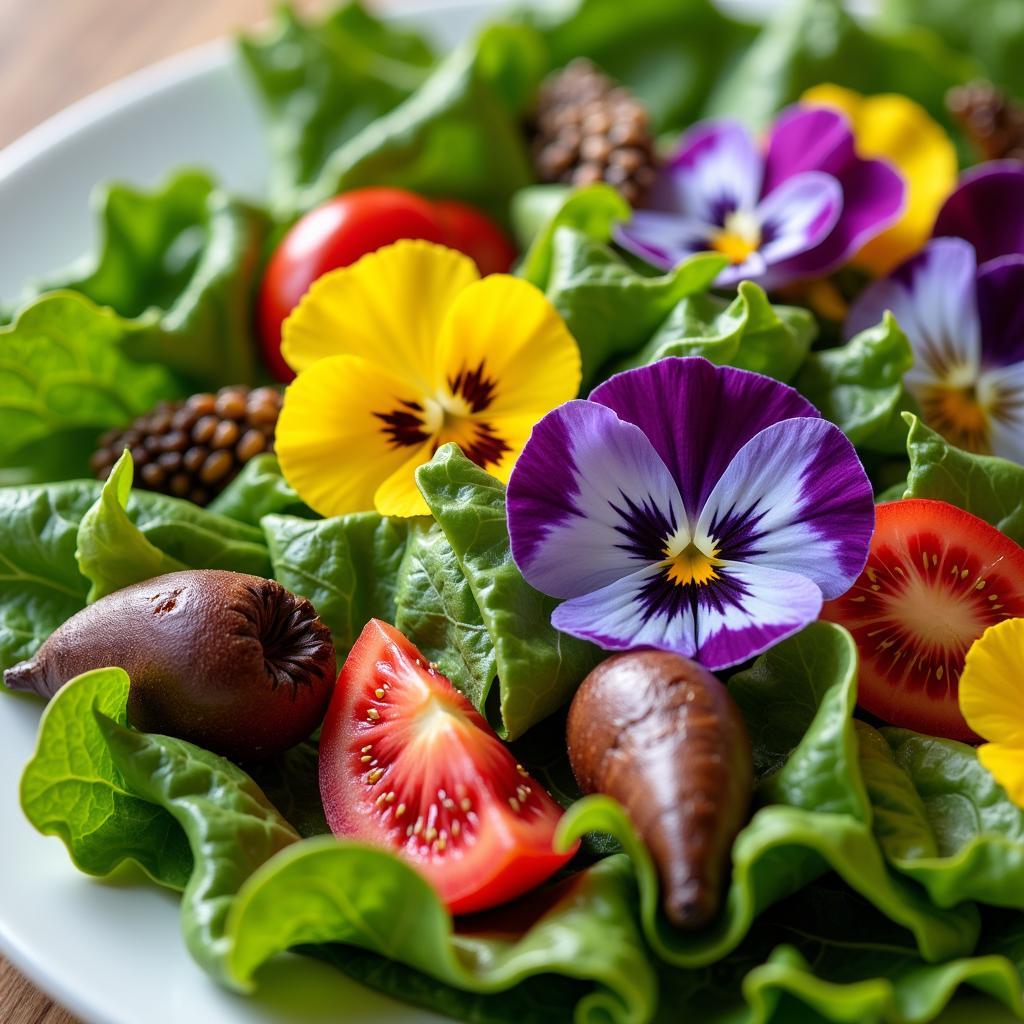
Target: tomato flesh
<point x="340" y="231"/>
<point x="407" y="763"/>
<point x="936" y="578"/>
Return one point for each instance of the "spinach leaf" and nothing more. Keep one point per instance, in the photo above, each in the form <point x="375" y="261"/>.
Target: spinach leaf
<point x="230" y="825"/>
<point x="984" y="485"/>
<point x="321" y="83"/>
<point x="346" y="566"/>
<point x="72" y="788"/>
<point x="859" y="385"/>
<point x="259" y="490"/>
<point x="64" y="366"/>
<point x="537" y="667"/>
<point x="291" y="783"/>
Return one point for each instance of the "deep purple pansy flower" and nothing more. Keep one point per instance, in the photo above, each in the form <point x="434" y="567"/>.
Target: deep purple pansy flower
<point x="798" y="208"/>
<point x="691" y="508"/>
<point x="960" y="302"/>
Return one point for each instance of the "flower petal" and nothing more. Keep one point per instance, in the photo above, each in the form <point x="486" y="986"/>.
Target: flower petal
<point x="795" y="498"/>
<point x="518" y="354"/>
<point x="398" y="495"/>
<point x="799" y="214"/>
<point x="987" y="209"/>
<point x="932" y="297"/>
<point x="698" y="415"/>
<point x="389" y="307"/>
<point x="1001" y="391"/>
<point x="807" y="139"/>
<point x="334" y="441"/>
<point x="716" y="170"/>
<point x="761" y="607"/>
<point x="622" y="616"/>
<point x="1001" y="308"/>
<point x="1006" y="764"/>
<point x="662" y="238"/>
<point x="589" y="501"/>
<point x="991" y="689"/>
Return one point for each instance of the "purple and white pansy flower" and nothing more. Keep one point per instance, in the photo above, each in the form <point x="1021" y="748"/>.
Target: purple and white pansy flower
<point x="796" y="208"/>
<point x="691" y="508"/>
<point x="960" y="302"/>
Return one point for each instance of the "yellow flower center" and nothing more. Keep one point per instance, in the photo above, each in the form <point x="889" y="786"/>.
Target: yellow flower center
<point x="959" y="414"/>
<point x="692" y="563"/>
<point x="739" y="238"/>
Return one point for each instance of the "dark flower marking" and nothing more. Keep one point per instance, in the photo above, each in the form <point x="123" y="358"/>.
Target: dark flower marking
<point x="486" y="448"/>
<point x="404" y="426"/>
<point x="474" y="387"/>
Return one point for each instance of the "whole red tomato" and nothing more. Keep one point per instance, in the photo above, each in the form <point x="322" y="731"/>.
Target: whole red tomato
<point x="349" y="226"/>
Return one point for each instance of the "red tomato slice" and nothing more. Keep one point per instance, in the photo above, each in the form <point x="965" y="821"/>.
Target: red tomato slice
<point x="407" y="763"/>
<point x="936" y="579"/>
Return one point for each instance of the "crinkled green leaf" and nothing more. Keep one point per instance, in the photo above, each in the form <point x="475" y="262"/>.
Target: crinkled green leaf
<point x="326" y="891"/>
<point x="72" y="788"/>
<point x="323" y="81"/>
<point x="984" y="485"/>
<point x="859" y="385"/>
<point x="259" y="490"/>
<point x="64" y="366"/>
<point x="346" y="566"/>
<point x="454" y="136"/>
<point x="538" y="668"/>
<point x="180" y="263"/>
<point x="230" y="825"/>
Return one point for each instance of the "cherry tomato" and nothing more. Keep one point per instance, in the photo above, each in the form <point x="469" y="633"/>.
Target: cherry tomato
<point x="475" y="234"/>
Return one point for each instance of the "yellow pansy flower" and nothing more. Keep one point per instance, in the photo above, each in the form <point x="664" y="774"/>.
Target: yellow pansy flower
<point x="992" y="701"/>
<point x="895" y="128"/>
<point x="402" y="352"/>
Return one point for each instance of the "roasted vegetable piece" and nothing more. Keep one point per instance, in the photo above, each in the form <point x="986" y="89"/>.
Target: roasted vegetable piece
<point x="661" y="735"/>
<point x="233" y="663"/>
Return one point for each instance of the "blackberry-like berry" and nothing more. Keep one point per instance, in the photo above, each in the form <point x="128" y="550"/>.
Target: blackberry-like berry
<point x="991" y="120"/>
<point x="195" y="448"/>
<point x="586" y="128"/>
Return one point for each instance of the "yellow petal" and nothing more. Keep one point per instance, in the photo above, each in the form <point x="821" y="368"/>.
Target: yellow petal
<point x="513" y="351"/>
<point x="992" y="684"/>
<point x="1006" y="764"/>
<point x="514" y="431"/>
<point x="894" y="128"/>
<point x="333" y="445"/>
<point x="389" y="308"/>
<point x="399" y="495"/>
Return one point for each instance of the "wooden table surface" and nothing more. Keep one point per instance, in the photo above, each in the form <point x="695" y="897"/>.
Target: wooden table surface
<point x="53" y="52"/>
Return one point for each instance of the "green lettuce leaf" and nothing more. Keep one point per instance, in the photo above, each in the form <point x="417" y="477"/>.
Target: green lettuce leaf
<point x="859" y="385"/>
<point x="259" y="490"/>
<point x="454" y="136"/>
<point x="346" y="566"/>
<point x="537" y="668"/>
<point x="71" y="788"/>
<point x="65" y="374"/>
<point x="230" y="825"/>
<point x="322" y="82"/>
<point x="988" y="487"/>
<point x="180" y="263"/>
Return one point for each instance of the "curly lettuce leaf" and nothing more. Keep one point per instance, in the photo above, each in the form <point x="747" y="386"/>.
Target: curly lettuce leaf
<point x="66" y="376"/>
<point x="259" y="490"/>
<point x="984" y="485"/>
<point x="346" y="566"/>
<point x="537" y="669"/>
<point x="179" y="262"/>
<point x="322" y="82"/>
<point x="72" y="788"/>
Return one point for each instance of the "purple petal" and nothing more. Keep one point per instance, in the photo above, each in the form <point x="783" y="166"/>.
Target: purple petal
<point x="698" y="415"/>
<point x="771" y="605"/>
<point x="627" y="614"/>
<point x="798" y="215"/>
<point x="715" y="170"/>
<point x="589" y="501"/>
<point x="795" y="498"/>
<point x="987" y="209"/>
<point x="664" y="239"/>
<point x="1001" y="309"/>
<point x="807" y="139"/>
<point x="932" y="297"/>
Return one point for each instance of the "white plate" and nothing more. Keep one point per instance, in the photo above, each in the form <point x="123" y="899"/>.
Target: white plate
<point x="112" y="953"/>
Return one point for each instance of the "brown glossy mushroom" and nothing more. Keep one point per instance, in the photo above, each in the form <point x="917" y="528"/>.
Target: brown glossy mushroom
<point x="661" y="735"/>
<point x="231" y="662"/>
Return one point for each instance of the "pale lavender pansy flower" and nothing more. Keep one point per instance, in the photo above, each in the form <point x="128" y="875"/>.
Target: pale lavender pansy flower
<point x="796" y="208"/>
<point x="960" y="302"/>
<point x="690" y="508"/>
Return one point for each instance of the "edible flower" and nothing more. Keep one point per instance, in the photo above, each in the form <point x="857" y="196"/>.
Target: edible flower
<point x="691" y="508"/>
<point x="960" y="302"/>
<point x="402" y="352"/>
<point x="794" y="209"/>
<point x="893" y="127"/>
<point x="990" y="699"/>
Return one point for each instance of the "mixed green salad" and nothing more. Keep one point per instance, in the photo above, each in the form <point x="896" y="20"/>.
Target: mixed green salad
<point x="629" y="404"/>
